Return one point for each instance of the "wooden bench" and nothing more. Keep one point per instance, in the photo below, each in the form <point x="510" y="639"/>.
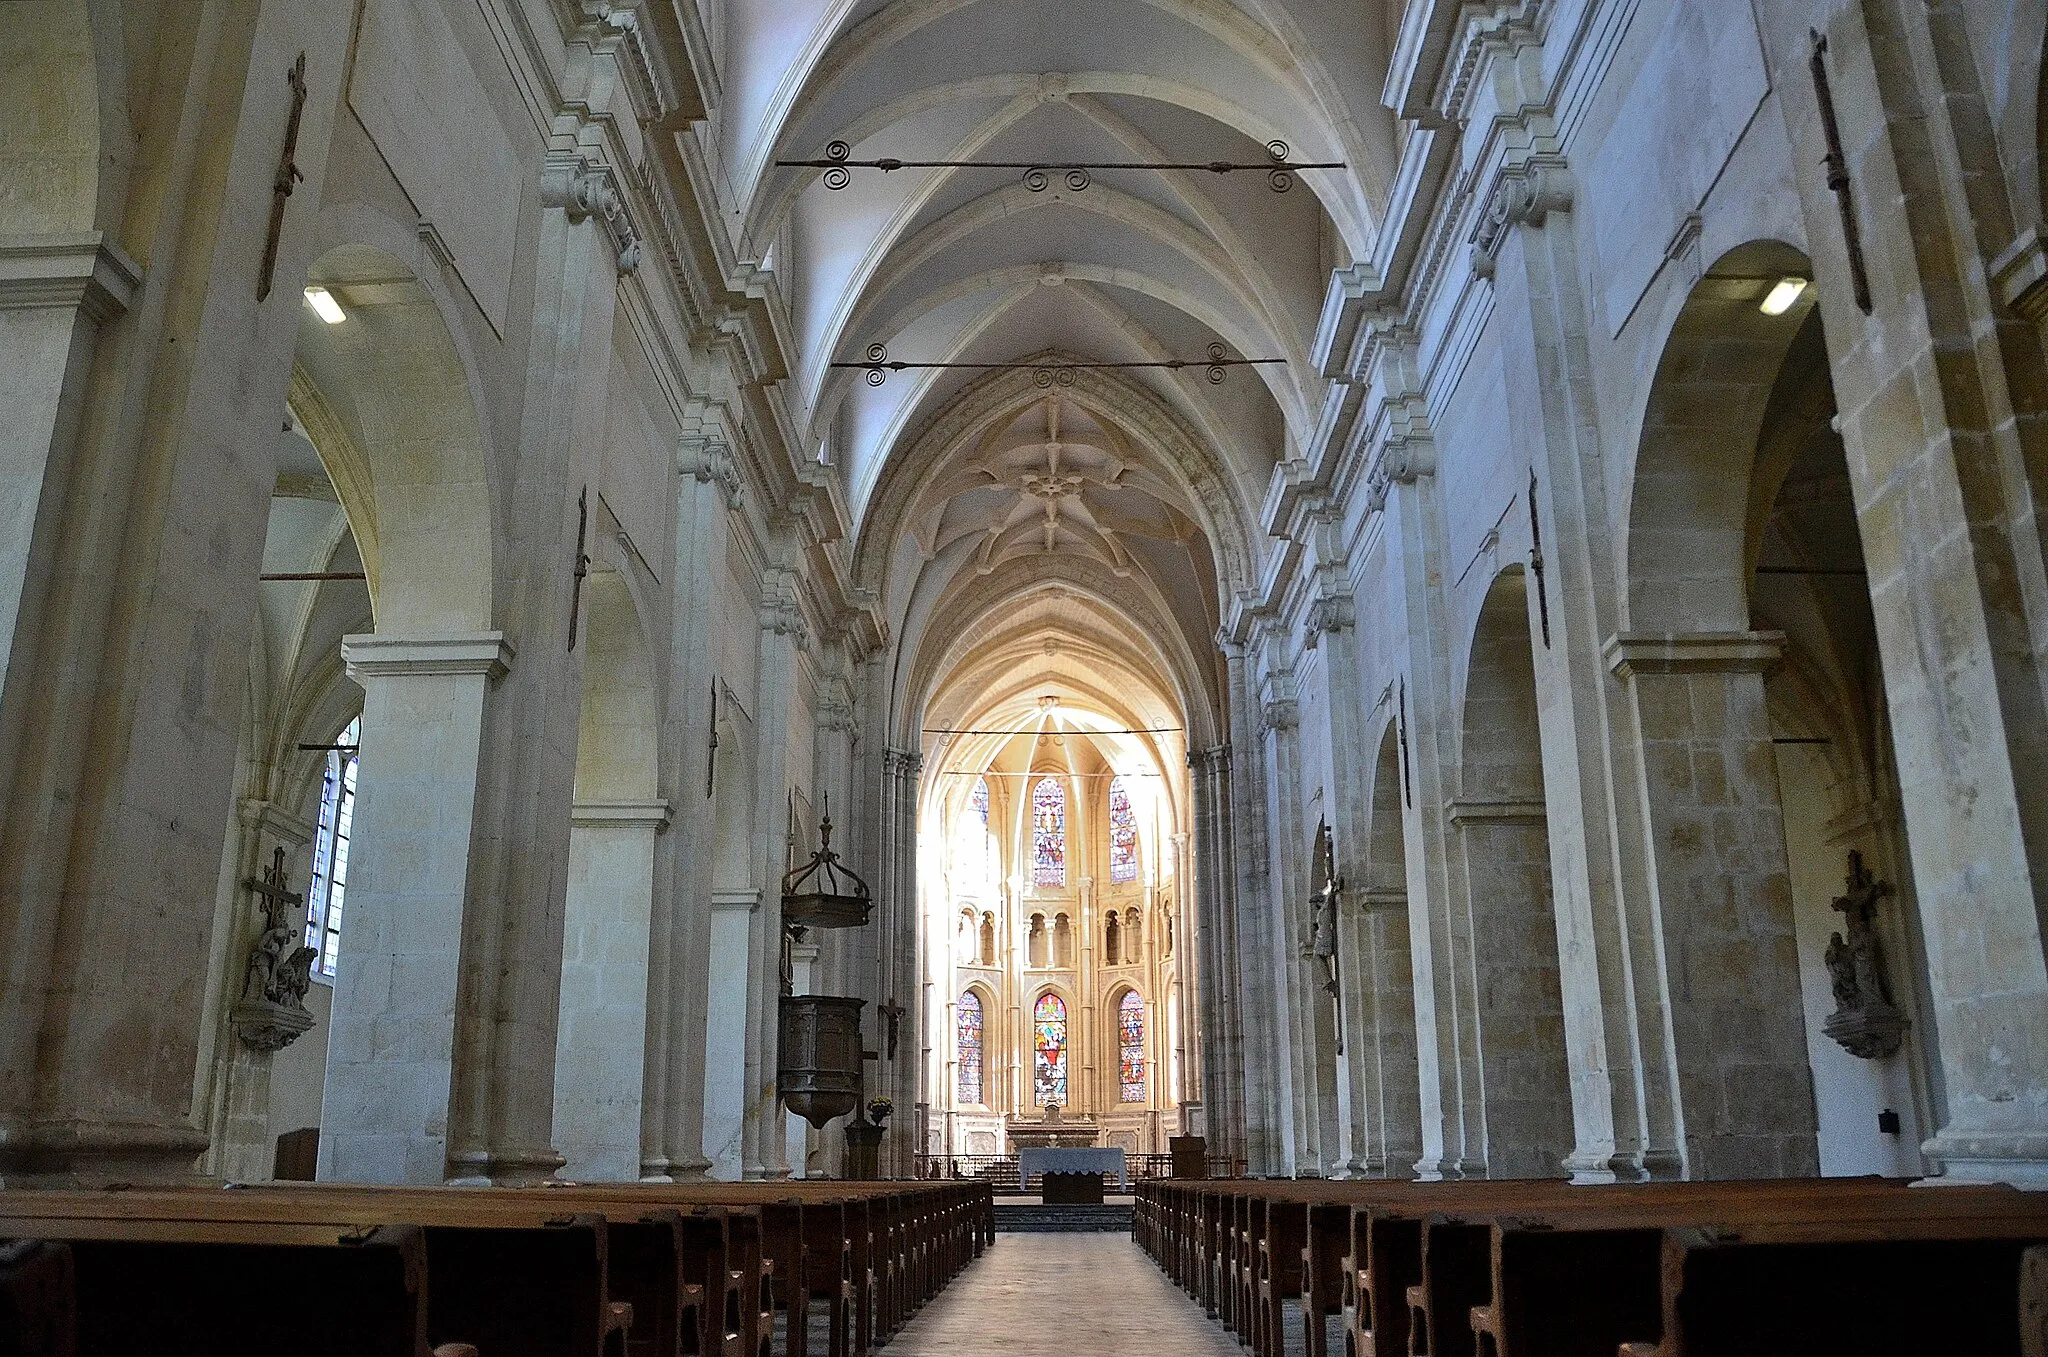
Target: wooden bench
<point x="1545" y="1269"/>
<point x="628" y="1270"/>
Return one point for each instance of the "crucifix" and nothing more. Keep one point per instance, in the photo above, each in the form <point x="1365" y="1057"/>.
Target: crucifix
<point x="582" y="571"/>
<point x="1323" y="920"/>
<point x="288" y="175"/>
<point x="711" y="752"/>
<point x="892" y="1014"/>
<point x="279" y="903"/>
<point x="1838" y="171"/>
<point x="1536" y="559"/>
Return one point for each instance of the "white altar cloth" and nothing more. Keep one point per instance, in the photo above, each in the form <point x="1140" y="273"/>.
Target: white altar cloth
<point x="1048" y="1160"/>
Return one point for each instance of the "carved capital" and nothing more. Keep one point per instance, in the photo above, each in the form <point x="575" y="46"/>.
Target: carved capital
<point x="588" y="190"/>
<point x="1332" y="612"/>
<point x="1281" y="713"/>
<point x="1524" y="195"/>
<point x="709" y="459"/>
<point x="1401" y="462"/>
<point x="783" y="615"/>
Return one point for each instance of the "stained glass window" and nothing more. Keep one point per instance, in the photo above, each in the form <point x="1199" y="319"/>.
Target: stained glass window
<point x="1050" y="1017"/>
<point x="1049" y="833"/>
<point x="967" y="1040"/>
<point x="1123" y="833"/>
<point x="977" y="801"/>
<point x="330" y="851"/>
<point x="1130" y="1027"/>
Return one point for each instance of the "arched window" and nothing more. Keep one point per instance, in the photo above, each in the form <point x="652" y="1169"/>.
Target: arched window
<point x="967" y="1046"/>
<point x="330" y="850"/>
<point x="977" y="800"/>
<point x="1110" y="935"/>
<point x="1123" y="833"/>
<point x="1048" y="833"/>
<point x="1134" y="934"/>
<point x="1062" y="941"/>
<point x="1049" y="1017"/>
<point x="988" y="939"/>
<point x="1034" y="943"/>
<point x="1130" y="1032"/>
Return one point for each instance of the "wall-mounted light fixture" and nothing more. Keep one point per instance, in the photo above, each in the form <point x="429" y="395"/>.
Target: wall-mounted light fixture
<point x="1782" y="295"/>
<point x="324" y="306"/>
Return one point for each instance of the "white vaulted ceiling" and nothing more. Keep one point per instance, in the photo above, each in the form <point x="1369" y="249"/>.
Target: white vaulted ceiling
<point x="1147" y="478"/>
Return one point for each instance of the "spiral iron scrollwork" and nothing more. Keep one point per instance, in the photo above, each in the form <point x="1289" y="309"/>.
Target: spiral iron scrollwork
<point x="838" y="176"/>
<point x="1279" y="179"/>
<point x="878" y="355"/>
<point x="1217" y="354"/>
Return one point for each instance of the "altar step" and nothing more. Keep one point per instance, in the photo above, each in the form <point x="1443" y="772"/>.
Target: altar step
<point x="1032" y="1218"/>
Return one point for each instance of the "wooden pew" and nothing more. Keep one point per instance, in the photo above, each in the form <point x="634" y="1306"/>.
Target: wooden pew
<point x="628" y="1270"/>
<point x="38" y="1299"/>
<point x="155" y="1283"/>
<point x="1545" y="1269"/>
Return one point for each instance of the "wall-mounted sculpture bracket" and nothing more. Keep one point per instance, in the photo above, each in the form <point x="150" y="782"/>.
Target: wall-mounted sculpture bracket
<point x="1865" y="1022"/>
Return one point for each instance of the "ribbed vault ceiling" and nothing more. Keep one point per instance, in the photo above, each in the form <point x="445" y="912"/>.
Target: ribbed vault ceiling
<point x="969" y="265"/>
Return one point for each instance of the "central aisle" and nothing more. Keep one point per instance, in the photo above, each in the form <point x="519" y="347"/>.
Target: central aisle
<point x="1068" y="1295"/>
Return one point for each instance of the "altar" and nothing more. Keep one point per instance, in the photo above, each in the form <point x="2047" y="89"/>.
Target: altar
<point x="1054" y="1132"/>
<point x="1031" y="1163"/>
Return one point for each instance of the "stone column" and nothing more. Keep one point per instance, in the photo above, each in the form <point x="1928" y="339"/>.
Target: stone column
<point x="1263" y="1067"/>
<point x="896" y="915"/>
<point x="56" y="294"/>
<point x="1721" y="900"/>
<point x="1309" y="1034"/>
<point x="1941" y="399"/>
<point x="782" y="633"/>
<point x="1425" y="730"/>
<point x="708" y="490"/>
<point x="1621" y="1102"/>
<point x="1223" y="1089"/>
<point x="600" y="1050"/>
<point x="504" y="1106"/>
<point x="391" y="1054"/>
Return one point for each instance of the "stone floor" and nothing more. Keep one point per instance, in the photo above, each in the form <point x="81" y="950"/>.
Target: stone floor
<point x="1071" y="1295"/>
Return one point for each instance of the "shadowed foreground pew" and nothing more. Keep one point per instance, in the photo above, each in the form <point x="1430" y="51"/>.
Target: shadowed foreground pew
<point x="1543" y="1269"/>
<point x="684" y="1270"/>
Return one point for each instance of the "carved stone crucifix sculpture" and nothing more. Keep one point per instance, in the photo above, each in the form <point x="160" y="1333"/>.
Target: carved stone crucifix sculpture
<point x="1865" y="1020"/>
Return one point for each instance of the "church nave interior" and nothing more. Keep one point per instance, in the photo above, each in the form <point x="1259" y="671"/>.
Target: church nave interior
<point x="673" y="670"/>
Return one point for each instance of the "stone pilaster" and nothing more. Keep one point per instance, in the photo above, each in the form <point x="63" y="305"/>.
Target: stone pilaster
<point x="897" y="940"/>
<point x="1622" y="1121"/>
<point x="1721" y="900"/>
<point x="1941" y="414"/>
<point x="708" y="490"/>
<point x="764" y="1153"/>
<point x="1425" y="731"/>
<point x="391" y="1057"/>
<point x="503" y="1115"/>
<point x="600" y="1048"/>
